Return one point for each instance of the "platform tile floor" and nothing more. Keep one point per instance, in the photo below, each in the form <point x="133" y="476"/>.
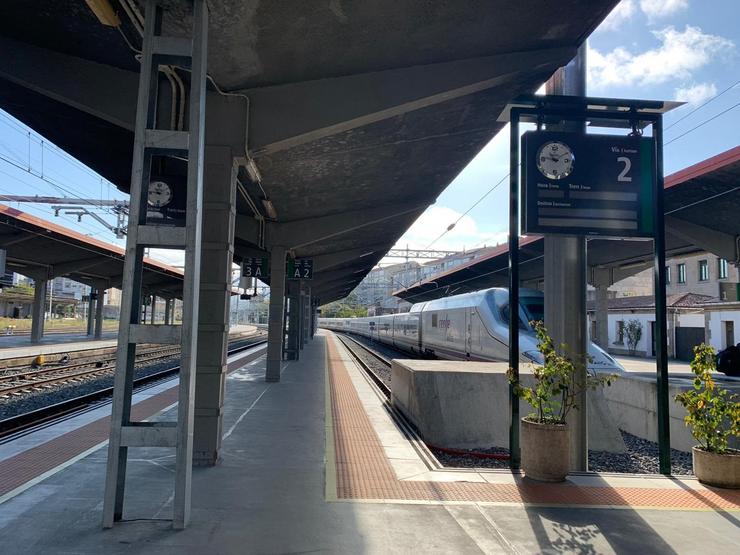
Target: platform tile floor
<point x="269" y="495"/>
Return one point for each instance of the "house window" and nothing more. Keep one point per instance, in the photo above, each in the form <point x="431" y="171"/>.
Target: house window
<point x="722" y="268"/>
<point x="620" y="333"/>
<point x="682" y="273"/>
<point x="667" y="275"/>
<point x="703" y="270"/>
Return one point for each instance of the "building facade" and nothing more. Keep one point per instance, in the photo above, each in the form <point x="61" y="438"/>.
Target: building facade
<point x="705" y="274"/>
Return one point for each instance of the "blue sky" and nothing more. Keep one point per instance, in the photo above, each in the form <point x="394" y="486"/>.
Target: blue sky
<point x="659" y="49"/>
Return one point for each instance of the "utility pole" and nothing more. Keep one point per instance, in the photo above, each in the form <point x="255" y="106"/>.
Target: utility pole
<point x="565" y="275"/>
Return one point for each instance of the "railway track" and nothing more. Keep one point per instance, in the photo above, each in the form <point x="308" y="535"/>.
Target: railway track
<point x="360" y="353"/>
<point x="23" y="422"/>
<point x="27" y="381"/>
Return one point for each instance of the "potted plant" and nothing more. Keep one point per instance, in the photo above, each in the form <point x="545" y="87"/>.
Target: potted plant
<point x="545" y="440"/>
<point x="714" y="417"/>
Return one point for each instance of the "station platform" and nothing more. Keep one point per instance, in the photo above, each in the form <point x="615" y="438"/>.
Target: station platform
<point x="316" y="463"/>
<point x="20" y="346"/>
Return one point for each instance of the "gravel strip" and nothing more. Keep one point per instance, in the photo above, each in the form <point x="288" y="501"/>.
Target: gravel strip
<point x="19" y="404"/>
<point x="381" y="369"/>
<point x="641" y="458"/>
<point x="469" y="461"/>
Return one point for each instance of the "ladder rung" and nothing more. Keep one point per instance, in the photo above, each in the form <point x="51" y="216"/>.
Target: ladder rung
<point x="172" y="47"/>
<point x="161" y="236"/>
<point x="167" y="140"/>
<point x="149" y="434"/>
<point x="154" y="333"/>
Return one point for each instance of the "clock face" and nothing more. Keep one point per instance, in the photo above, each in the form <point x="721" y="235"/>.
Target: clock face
<point x="555" y="160"/>
<point x="160" y="194"/>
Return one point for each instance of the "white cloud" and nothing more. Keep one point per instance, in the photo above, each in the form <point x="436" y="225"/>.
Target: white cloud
<point x="696" y="94"/>
<point x="621" y="13"/>
<point x="656" y="9"/>
<point x="433" y="222"/>
<point x="680" y="54"/>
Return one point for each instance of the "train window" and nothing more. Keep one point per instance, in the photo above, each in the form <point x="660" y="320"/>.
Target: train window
<point x="505" y="317"/>
<point x="534" y="308"/>
<point x="434" y="320"/>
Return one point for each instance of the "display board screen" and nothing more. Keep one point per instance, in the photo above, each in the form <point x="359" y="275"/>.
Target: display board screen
<point x="587" y="184"/>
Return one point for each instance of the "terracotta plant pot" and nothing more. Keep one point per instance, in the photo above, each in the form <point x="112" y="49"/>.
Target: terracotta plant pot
<point x="545" y="451"/>
<point x="713" y="469"/>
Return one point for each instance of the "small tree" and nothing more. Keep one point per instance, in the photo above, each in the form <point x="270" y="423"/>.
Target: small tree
<point x="556" y="388"/>
<point x="633" y="331"/>
<point x="713" y="413"/>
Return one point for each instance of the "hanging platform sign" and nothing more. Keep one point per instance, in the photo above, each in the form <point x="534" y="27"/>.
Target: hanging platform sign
<point x="300" y="268"/>
<point x="588" y="184"/>
<point x="255" y="267"/>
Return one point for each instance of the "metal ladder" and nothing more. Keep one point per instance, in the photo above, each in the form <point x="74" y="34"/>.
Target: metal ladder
<point x="149" y="142"/>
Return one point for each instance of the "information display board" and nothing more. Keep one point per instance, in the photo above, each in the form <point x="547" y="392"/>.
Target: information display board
<point x="300" y="268"/>
<point x="587" y="184"/>
<point x="255" y="267"/>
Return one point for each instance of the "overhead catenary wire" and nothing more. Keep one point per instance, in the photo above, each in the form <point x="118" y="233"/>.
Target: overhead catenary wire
<point x="476" y="203"/>
<point x="698" y="126"/>
<point x="702" y="124"/>
<point x="712" y="99"/>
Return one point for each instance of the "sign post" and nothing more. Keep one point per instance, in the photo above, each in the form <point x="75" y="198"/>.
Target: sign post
<point x="255" y="268"/>
<point x="299" y="269"/>
<point x="583" y="184"/>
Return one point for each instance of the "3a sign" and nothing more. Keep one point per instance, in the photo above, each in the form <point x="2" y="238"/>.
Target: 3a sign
<point x="300" y="268"/>
<point x="588" y="184"/>
<point x="255" y="267"/>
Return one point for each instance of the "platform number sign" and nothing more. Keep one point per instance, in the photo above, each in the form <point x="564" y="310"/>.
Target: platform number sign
<point x="300" y="268"/>
<point x="255" y="268"/>
<point x="588" y="184"/>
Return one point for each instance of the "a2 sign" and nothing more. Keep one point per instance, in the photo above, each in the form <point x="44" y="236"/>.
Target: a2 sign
<point x="296" y="268"/>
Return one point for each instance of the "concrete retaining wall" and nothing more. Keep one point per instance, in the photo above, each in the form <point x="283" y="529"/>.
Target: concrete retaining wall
<point x="466" y="404"/>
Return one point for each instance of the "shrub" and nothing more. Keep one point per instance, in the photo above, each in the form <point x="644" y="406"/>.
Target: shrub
<point x="633" y="331"/>
<point x="713" y="413"/>
<point x="556" y="386"/>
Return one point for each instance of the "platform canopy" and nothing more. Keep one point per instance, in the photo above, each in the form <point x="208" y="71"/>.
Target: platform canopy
<point x="40" y="249"/>
<point x="354" y="115"/>
<point x="702" y="203"/>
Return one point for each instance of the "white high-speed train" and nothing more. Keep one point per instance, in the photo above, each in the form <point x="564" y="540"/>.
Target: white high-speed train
<point x="473" y="326"/>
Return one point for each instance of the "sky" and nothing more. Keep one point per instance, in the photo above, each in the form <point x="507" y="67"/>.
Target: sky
<point x="684" y="50"/>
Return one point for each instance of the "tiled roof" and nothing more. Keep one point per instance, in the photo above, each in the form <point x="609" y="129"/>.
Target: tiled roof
<point x="680" y="300"/>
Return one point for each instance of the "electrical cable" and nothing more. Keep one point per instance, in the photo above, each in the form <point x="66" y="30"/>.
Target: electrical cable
<point x="715" y="97"/>
<point x="701" y="124"/>
<point x="452" y="225"/>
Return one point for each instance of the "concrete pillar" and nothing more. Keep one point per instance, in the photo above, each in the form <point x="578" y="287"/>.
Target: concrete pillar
<point x="219" y="212"/>
<point x="168" y="311"/>
<point x="307" y="315"/>
<point x="37" y="311"/>
<point x="565" y="276"/>
<point x="294" y="320"/>
<point x="601" y="279"/>
<point x="99" y="303"/>
<point x="154" y="309"/>
<point x="601" y="315"/>
<point x="91" y="312"/>
<point x="275" y="319"/>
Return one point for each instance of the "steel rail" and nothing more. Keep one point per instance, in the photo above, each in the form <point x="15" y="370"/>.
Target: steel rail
<point x="43" y="415"/>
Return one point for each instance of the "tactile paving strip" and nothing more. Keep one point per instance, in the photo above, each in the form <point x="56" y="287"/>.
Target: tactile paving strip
<point x="363" y="472"/>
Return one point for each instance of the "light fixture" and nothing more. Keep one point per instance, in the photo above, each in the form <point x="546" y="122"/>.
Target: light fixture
<point x="253" y="171"/>
<point x="269" y="208"/>
<point x="368" y="253"/>
<point x="104" y="12"/>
